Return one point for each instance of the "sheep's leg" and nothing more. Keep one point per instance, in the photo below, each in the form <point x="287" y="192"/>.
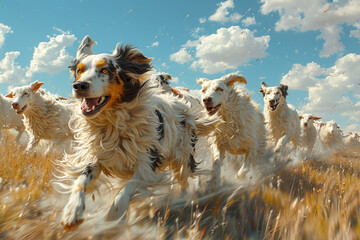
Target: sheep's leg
<point x="246" y="165"/>
<point x="20" y="132"/>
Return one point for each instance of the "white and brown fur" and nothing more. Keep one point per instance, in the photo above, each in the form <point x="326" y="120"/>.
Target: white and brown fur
<point x="44" y="116"/>
<point x="308" y="131"/>
<point x="161" y="80"/>
<point x="9" y="119"/>
<point x="282" y="122"/>
<point x="126" y="129"/>
<point x="242" y="130"/>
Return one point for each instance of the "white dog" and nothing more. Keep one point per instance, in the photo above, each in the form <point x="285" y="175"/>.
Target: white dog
<point x="44" y="116"/>
<point x="308" y="131"/>
<point x="282" y="122"/>
<point x="126" y="129"/>
<point x="242" y="130"/>
<point x="9" y="119"/>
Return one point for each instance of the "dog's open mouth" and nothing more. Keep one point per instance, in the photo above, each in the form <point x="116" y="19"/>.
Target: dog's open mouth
<point x="212" y="110"/>
<point x="93" y="105"/>
<point x="273" y="106"/>
<point x="20" y="111"/>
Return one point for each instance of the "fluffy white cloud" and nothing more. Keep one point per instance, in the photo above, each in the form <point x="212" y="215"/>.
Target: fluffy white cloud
<point x="321" y="15"/>
<point x="249" y="21"/>
<point x="302" y="77"/>
<point x="202" y="20"/>
<point x="10" y="71"/>
<point x="222" y="13"/>
<point x="228" y="48"/>
<point x="182" y="56"/>
<point x="3" y="31"/>
<point x="332" y="90"/>
<point x="51" y="57"/>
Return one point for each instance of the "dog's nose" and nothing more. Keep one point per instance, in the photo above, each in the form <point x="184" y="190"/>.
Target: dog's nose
<point x="15" y="105"/>
<point x="305" y="124"/>
<point x="272" y="101"/>
<point x="81" y="86"/>
<point x="207" y="100"/>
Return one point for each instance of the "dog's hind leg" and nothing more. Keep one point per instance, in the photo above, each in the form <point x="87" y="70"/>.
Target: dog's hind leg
<point x="73" y="211"/>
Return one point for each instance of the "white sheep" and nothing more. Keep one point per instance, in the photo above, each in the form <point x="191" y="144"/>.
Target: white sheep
<point x="308" y="131"/>
<point x="330" y="135"/>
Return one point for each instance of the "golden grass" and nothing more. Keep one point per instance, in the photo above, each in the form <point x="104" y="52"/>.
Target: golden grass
<point x="316" y="199"/>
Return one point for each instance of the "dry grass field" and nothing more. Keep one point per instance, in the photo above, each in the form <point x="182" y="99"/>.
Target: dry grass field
<point x="314" y="199"/>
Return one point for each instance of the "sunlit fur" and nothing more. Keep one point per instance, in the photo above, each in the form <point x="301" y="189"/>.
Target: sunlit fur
<point x="242" y="130"/>
<point x="352" y="141"/>
<point x="330" y="135"/>
<point x="9" y="119"/>
<point x="121" y="138"/>
<point x="44" y="116"/>
<point x="308" y="131"/>
<point x="282" y="123"/>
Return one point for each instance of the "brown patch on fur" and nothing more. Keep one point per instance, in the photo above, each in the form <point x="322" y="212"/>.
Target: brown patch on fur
<point x="316" y="118"/>
<point x="176" y="92"/>
<point x="80" y="69"/>
<point x="233" y="80"/>
<point x="79" y="188"/>
<point x="36" y="86"/>
<point x="70" y="227"/>
<point x="115" y="91"/>
<point x="101" y="63"/>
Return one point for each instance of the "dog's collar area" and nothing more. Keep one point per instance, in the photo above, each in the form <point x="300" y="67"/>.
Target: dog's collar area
<point x="212" y="110"/>
<point x="20" y="111"/>
<point x="90" y="106"/>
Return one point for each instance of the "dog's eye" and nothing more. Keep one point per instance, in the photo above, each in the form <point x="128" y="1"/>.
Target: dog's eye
<point x="78" y="71"/>
<point x="104" y="71"/>
<point x="219" y="89"/>
<point x="25" y="94"/>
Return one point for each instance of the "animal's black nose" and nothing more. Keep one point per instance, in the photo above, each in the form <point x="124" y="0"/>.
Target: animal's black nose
<point x="207" y="100"/>
<point x="305" y="124"/>
<point x="81" y="86"/>
<point x="272" y="101"/>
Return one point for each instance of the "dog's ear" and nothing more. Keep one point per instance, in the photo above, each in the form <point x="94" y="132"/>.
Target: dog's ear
<point x="35" y="86"/>
<point x="284" y="89"/>
<point x="10" y="95"/>
<point x="232" y="78"/>
<point x="84" y="48"/>
<point x="315" y="118"/>
<point x="132" y="62"/>
<point x="166" y="76"/>
<point x="263" y="87"/>
<point x="300" y="117"/>
<point x="202" y="80"/>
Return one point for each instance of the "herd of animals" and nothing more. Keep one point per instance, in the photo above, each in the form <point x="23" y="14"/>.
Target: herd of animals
<point x="126" y="121"/>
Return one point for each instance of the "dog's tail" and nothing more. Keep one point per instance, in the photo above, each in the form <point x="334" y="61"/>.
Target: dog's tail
<point x="205" y="125"/>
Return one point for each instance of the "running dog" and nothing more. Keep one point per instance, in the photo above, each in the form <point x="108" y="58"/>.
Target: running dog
<point x="126" y="129"/>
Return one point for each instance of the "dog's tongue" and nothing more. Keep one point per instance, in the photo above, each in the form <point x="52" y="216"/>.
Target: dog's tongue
<point x="88" y="104"/>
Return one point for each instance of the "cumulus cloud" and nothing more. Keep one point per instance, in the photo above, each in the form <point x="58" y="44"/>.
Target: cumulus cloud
<point x="10" y="71"/>
<point x="331" y="90"/>
<point x="3" y="31"/>
<point x="228" y="48"/>
<point x="51" y="57"/>
<point x="182" y="56"/>
<point x="202" y="20"/>
<point x="249" y="21"/>
<point x="315" y="15"/>
<point x="222" y="13"/>
<point x="302" y="77"/>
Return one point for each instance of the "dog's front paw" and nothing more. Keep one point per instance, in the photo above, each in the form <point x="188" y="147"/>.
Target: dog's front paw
<point x="72" y="215"/>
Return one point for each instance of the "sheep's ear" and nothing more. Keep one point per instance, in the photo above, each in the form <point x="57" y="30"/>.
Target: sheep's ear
<point x="300" y="117"/>
<point x="84" y="48"/>
<point x="232" y="78"/>
<point x="284" y="89"/>
<point x="202" y="80"/>
<point x="35" y="86"/>
<point x="10" y="95"/>
<point x="316" y="118"/>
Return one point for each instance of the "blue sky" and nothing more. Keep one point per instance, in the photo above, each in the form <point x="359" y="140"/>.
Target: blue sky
<point x="311" y="45"/>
